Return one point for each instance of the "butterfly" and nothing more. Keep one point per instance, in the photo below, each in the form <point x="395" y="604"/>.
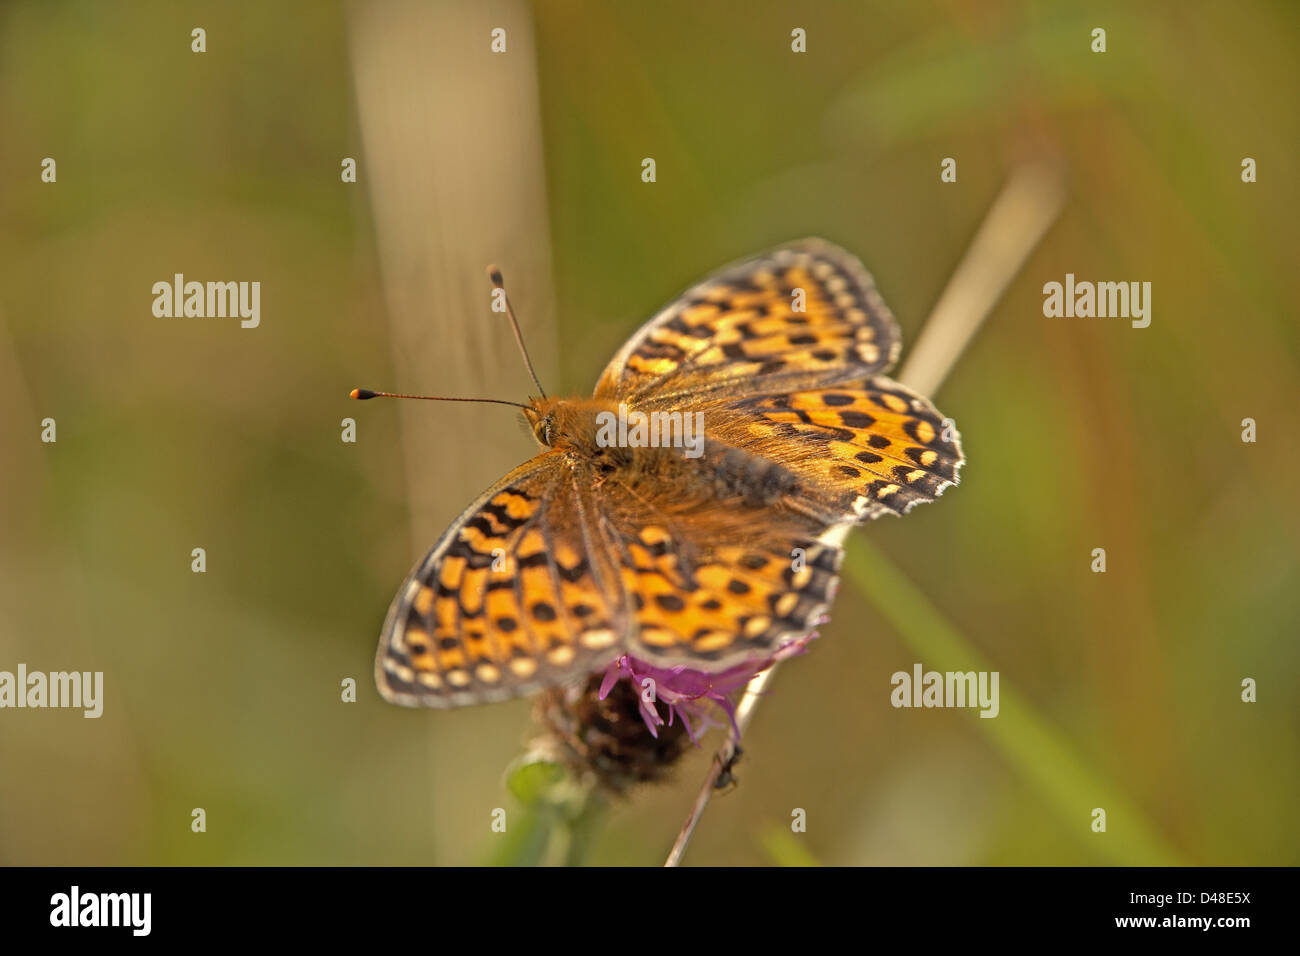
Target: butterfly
<point x="604" y="545"/>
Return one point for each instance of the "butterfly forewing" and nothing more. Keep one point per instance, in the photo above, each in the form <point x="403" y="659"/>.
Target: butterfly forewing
<point x="509" y="600"/>
<point x="807" y="310"/>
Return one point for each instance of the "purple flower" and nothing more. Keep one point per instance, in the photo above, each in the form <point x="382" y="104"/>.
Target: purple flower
<point x="692" y="694"/>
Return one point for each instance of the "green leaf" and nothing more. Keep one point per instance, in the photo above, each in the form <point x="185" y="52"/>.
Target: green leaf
<point x="532" y="779"/>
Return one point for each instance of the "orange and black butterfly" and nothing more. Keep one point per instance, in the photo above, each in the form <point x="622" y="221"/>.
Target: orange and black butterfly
<point x="708" y="547"/>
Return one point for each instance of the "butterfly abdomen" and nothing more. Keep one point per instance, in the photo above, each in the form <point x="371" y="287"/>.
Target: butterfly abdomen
<point x="756" y="482"/>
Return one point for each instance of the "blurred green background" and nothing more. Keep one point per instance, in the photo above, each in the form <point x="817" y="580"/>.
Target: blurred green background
<point x="223" y="689"/>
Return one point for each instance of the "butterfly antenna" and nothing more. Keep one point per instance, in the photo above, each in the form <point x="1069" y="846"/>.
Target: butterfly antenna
<point x="499" y="283"/>
<point x="361" y="394"/>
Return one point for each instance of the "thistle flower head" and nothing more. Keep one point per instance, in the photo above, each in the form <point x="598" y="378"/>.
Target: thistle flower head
<point x="691" y="696"/>
<point x="632" y="722"/>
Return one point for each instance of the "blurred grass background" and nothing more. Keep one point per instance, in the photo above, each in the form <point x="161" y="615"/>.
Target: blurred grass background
<point x="223" y="689"/>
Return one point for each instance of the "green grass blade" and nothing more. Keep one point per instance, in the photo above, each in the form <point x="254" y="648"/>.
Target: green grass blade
<point x="1039" y="752"/>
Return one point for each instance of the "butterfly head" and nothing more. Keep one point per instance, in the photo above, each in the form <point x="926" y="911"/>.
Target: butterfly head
<point x="565" y="424"/>
<point x="544" y="417"/>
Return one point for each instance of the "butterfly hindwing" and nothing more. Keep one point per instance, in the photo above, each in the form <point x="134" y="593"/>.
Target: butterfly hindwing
<point x="874" y="447"/>
<point x="715" y="606"/>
